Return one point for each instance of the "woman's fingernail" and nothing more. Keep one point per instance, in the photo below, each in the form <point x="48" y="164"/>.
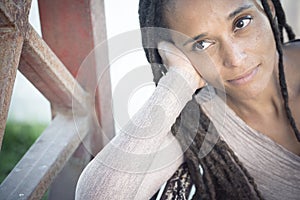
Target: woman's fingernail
<point x="164" y="45"/>
<point x="161" y="49"/>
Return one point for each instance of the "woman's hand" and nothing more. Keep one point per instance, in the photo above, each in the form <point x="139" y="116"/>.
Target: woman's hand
<point x="172" y="57"/>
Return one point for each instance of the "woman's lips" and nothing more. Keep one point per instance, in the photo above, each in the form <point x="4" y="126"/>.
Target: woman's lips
<point x="245" y="77"/>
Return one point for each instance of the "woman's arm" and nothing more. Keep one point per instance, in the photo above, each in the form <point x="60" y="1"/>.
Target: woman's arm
<point x="145" y="154"/>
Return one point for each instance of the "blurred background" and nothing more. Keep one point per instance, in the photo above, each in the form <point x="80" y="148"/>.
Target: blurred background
<point x="30" y="112"/>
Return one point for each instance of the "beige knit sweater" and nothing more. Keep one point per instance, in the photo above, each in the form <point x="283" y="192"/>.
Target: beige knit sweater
<point x="145" y="154"/>
<point x="275" y="170"/>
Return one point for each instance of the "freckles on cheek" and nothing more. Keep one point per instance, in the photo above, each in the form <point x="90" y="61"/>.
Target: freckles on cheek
<point x="260" y="43"/>
<point x="264" y="37"/>
<point x="267" y="48"/>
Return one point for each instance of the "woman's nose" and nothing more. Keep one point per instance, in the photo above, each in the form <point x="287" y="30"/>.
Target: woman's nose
<point x="233" y="55"/>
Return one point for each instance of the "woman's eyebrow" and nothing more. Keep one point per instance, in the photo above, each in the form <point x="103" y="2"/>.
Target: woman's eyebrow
<point x="194" y="38"/>
<point x="239" y="10"/>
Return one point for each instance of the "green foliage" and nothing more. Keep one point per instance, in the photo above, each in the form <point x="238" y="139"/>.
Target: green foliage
<point x="18" y="138"/>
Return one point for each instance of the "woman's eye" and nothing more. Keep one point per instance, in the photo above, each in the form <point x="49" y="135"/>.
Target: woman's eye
<point x="201" y="45"/>
<point x="242" y="23"/>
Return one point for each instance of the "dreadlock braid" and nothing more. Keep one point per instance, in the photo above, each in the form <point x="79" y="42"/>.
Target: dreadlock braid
<point x="148" y="18"/>
<point x="282" y="21"/>
<point x="277" y="36"/>
<point x="180" y="130"/>
<point x="224" y="176"/>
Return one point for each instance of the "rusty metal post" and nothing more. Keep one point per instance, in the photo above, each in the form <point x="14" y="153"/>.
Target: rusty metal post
<point x="72" y="29"/>
<point x="12" y="34"/>
<point x="10" y="52"/>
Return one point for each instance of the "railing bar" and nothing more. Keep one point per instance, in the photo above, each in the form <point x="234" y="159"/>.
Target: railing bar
<point x="32" y="75"/>
<point x="38" y="167"/>
<point x="51" y="70"/>
<point x="35" y="161"/>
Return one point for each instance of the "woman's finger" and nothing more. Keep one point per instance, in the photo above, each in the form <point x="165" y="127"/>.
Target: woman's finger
<point x="172" y="56"/>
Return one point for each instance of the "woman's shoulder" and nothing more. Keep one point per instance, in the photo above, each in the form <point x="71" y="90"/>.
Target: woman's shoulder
<point x="292" y="49"/>
<point x="292" y="63"/>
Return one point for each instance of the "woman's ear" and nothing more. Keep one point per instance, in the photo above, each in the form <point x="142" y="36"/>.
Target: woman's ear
<point x="272" y="8"/>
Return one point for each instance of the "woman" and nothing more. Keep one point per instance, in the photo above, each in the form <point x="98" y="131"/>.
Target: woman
<point x="257" y="154"/>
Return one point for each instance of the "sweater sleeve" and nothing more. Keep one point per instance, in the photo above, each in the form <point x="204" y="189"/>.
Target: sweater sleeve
<point x="136" y="162"/>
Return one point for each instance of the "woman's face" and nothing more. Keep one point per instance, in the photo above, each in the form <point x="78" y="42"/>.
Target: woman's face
<point x="235" y="35"/>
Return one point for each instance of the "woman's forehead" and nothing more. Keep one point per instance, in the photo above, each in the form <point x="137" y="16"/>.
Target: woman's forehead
<point x="189" y="9"/>
<point x="187" y="15"/>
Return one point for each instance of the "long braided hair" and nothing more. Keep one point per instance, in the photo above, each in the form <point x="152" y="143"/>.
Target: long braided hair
<point x="224" y="176"/>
